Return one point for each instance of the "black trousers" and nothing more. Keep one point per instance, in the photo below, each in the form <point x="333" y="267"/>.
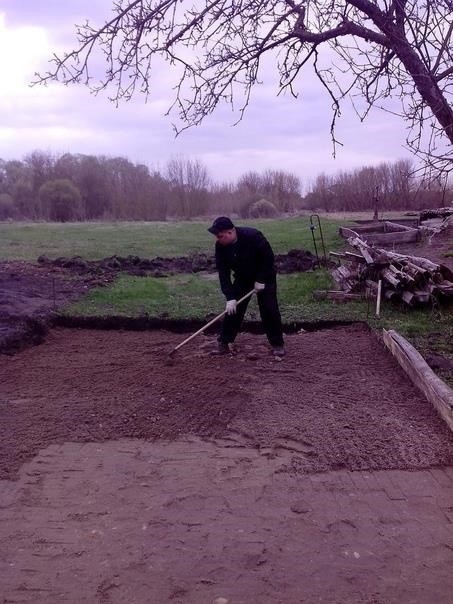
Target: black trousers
<point x="269" y="312"/>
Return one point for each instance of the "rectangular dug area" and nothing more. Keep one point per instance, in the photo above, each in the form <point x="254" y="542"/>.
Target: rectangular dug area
<point x="337" y="400"/>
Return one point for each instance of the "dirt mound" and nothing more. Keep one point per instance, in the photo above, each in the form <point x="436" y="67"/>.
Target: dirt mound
<point x="296" y="260"/>
<point x="29" y="297"/>
<point x="157" y="267"/>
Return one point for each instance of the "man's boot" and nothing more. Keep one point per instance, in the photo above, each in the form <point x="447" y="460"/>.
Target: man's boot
<point x="222" y="348"/>
<point x="278" y="351"/>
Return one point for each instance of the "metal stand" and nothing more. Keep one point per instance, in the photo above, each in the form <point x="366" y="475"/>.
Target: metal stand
<point x="313" y="227"/>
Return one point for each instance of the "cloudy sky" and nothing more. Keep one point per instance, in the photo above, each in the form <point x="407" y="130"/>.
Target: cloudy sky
<point x="277" y="132"/>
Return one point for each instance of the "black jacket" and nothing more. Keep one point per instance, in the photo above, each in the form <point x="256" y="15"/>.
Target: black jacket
<point x="249" y="259"/>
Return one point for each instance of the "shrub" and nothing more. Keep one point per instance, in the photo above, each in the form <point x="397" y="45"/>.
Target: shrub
<point x="262" y="209"/>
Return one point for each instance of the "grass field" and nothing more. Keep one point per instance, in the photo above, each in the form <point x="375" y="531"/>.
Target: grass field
<point x="96" y="240"/>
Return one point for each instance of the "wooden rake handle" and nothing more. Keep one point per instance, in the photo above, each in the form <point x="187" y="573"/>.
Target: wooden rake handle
<point x="209" y="324"/>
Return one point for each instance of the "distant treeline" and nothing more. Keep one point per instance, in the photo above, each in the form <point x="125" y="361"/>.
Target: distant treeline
<point x="73" y="187"/>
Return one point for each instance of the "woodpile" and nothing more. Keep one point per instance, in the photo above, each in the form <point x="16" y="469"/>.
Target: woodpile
<point x="410" y="279"/>
<point x="436" y="213"/>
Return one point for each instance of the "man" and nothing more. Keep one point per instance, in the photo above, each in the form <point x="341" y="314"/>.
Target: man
<point x="245" y="254"/>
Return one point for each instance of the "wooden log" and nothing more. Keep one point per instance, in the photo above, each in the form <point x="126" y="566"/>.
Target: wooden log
<point x="446" y="272"/>
<point x="389" y="294"/>
<point x="345" y="279"/>
<point x="345" y="232"/>
<point x="408" y="297"/>
<point x="436" y="391"/>
<point x="416" y="272"/>
<point x="343" y="272"/>
<point x="445" y="287"/>
<point x="436" y="213"/>
<point x="390" y="277"/>
<point x="422" y="263"/>
<point x="401" y="274"/>
<point x="337" y="295"/>
<point x="371" y="285"/>
<point x="394" y="227"/>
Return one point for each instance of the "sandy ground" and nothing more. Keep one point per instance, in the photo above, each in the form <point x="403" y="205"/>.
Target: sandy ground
<point x="125" y="479"/>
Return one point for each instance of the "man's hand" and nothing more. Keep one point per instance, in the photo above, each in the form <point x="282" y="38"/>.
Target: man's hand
<point x="231" y="307"/>
<point x="258" y="287"/>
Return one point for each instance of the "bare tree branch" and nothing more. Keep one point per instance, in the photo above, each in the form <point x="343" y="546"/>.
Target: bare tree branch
<point x="386" y="50"/>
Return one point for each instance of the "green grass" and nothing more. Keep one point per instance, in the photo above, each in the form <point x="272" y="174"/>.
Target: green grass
<point x="176" y="297"/>
<point x="97" y="240"/>
<point x="199" y="297"/>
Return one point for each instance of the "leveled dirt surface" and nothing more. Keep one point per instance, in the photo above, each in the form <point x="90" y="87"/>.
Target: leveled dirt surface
<point x="338" y="400"/>
<point x="191" y="521"/>
<point x="125" y="480"/>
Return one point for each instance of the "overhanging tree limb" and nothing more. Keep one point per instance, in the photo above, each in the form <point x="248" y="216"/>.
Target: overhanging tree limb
<point x="387" y="50"/>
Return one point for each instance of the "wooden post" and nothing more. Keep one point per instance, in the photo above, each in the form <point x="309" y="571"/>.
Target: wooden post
<point x="378" y="299"/>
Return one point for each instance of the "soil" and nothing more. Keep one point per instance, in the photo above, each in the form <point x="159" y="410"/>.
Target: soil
<point x="86" y="385"/>
<point x="130" y="480"/>
<point x="104" y="441"/>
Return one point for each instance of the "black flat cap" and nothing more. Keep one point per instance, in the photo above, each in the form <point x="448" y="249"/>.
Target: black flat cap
<point x="222" y="223"/>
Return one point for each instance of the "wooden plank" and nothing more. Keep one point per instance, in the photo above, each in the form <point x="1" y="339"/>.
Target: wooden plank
<point x="353" y="256"/>
<point x="423" y="377"/>
<point x="345" y="232"/>
<point x="372" y="227"/>
<point x="408" y="297"/>
<point x="363" y="248"/>
<point x="338" y="255"/>
<point x="413" y="221"/>
<point x="389" y="238"/>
